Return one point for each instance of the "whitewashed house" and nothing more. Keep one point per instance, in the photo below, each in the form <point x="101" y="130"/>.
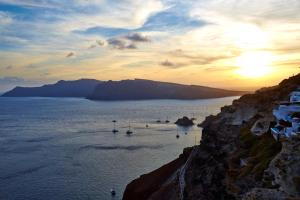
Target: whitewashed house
<point x="288" y="117"/>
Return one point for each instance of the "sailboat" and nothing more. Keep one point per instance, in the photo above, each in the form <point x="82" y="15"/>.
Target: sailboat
<point x="112" y="192"/>
<point x="129" y="132"/>
<point x="114" y="130"/>
<point x="167" y="120"/>
<point x="193" y="116"/>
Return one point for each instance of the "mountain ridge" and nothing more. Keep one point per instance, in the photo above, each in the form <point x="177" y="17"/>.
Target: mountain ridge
<point x="142" y="89"/>
<point x="62" y="88"/>
<point x="136" y="89"/>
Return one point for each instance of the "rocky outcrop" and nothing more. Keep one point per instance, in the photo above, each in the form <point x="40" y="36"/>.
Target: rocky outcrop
<point x="159" y="184"/>
<point x="184" y="121"/>
<point x="271" y="169"/>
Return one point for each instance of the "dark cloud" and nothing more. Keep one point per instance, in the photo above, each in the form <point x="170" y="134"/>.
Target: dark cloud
<point x="31" y="66"/>
<point x="132" y="46"/>
<point x="169" y="64"/>
<point x="70" y="54"/>
<point x="100" y="43"/>
<point x="137" y="37"/>
<point x="9" y="67"/>
<point x="118" y="43"/>
<point x="127" y="42"/>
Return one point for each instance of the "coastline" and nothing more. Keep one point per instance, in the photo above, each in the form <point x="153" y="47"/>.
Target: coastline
<point x="214" y="172"/>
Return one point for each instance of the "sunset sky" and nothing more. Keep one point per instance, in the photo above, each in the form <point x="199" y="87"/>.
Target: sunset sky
<point x="237" y="44"/>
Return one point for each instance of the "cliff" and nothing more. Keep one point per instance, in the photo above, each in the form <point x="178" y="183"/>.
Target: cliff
<point x="233" y="163"/>
<point x="77" y="88"/>
<point x="140" y="89"/>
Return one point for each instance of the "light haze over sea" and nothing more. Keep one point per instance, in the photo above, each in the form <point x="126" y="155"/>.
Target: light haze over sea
<point x="63" y="148"/>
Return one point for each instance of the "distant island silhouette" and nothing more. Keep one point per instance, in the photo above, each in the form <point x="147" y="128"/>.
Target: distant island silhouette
<point x="77" y="88"/>
<point x="137" y="89"/>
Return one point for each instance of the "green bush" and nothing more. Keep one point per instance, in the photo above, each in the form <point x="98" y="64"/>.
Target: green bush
<point x="261" y="150"/>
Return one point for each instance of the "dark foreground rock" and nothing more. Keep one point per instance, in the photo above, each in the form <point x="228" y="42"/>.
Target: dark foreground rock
<point x="157" y="184"/>
<point x="185" y="121"/>
<point x="232" y="163"/>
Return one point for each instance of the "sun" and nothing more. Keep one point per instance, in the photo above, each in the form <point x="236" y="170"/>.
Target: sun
<point x="254" y="64"/>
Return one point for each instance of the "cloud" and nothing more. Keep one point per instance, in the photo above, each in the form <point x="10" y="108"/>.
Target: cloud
<point x="5" y="18"/>
<point x="100" y="43"/>
<point x="220" y="69"/>
<point x="9" y="67"/>
<point x="33" y="3"/>
<point x="171" y="65"/>
<point x="119" y="43"/>
<point x="71" y="54"/>
<point x="254" y="11"/>
<point x="92" y="46"/>
<point x="128" y="41"/>
<point x="200" y="59"/>
<point x="137" y="37"/>
<point x="131" y="46"/>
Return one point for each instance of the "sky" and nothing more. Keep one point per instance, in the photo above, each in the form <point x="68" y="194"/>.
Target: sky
<point x="232" y="44"/>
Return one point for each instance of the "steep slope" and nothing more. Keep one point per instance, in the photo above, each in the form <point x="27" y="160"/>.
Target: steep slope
<point x="77" y="88"/>
<point x="145" y="89"/>
<point x="217" y="170"/>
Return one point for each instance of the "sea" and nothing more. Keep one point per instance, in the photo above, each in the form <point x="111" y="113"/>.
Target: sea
<point x="64" y="148"/>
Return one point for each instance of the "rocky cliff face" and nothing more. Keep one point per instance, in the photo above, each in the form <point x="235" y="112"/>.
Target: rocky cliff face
<point x="232" y="163"/>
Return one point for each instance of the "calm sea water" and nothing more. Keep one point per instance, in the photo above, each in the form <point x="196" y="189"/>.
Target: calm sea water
<point x="63" y="148"/>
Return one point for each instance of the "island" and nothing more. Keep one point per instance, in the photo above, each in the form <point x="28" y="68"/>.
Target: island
<point x="141" y="89"/>
<point x="137" y="89"/>
<point x="76" y="88"/>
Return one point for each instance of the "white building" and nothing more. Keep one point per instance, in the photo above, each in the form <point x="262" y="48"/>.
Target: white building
<point x="288" y="117"/>
<point x="295" y="97"/>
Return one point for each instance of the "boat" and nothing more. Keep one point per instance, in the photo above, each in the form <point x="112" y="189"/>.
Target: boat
<point x="129" y="132"/>
<point x="167" y="120"/>
<point x="112" y="192"/>
<point x="177" y="135"/>
<point x="147" y="126"/>
<point x="158" y="121"/>
<point x="114" y="130"/>
<point x="193" y="117"/>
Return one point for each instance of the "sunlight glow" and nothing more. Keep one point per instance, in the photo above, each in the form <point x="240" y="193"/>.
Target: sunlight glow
<point x="254" y="64"/>
<point x="248" y="36"/>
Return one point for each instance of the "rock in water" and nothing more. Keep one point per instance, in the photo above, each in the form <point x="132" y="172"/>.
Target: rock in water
<point x="185" y="121"/>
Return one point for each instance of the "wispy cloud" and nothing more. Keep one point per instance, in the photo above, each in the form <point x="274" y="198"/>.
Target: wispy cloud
<point x="92" y="46"/>
<point x="209" y="36"/>
<point x="170" y="64"/>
